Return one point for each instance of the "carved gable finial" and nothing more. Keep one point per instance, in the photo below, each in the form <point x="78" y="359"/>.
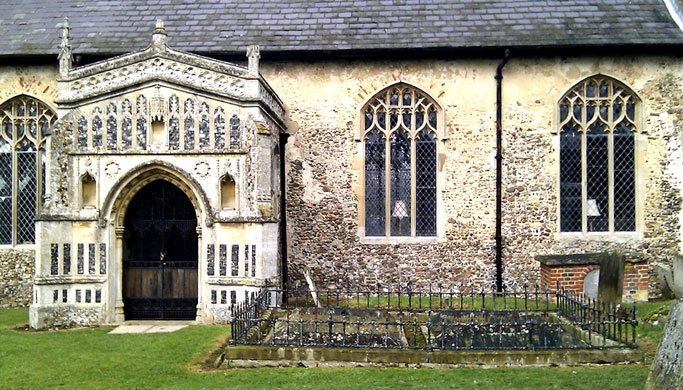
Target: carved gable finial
<point x="157" y="105"/>
<point x="65" y="56"/>
<point x="253" y="53"/>
<point x="159" y="36"/>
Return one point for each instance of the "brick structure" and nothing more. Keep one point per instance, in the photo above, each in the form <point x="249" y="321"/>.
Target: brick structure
<point x="569" y="272"/>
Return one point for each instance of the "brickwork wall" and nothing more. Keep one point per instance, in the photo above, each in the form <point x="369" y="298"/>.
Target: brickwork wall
<point x="571" y="277"/>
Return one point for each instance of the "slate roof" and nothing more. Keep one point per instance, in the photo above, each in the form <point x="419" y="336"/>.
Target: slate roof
<point x="30" y="27"/>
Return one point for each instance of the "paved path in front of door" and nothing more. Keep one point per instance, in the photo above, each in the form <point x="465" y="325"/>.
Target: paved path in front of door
<point x="132" y="327"/>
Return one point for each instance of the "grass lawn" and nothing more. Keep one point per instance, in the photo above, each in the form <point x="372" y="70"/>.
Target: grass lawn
<point x="93" y="359"/>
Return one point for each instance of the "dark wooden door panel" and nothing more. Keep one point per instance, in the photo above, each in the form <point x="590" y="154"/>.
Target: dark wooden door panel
<point x="160" y="278"/>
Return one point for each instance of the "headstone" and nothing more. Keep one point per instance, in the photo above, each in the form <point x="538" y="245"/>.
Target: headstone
<point x="678" y="276"/>
<point x="666" y="281"/>
<point x="611" y="282"/>
<point x="590" y="284"/>
<point x="666" y="372"/>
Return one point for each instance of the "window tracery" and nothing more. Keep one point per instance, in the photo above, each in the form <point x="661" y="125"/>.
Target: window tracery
<point x="400" y="132"/>
<point x="598" y="124"/>
<point x="24" y="121"/>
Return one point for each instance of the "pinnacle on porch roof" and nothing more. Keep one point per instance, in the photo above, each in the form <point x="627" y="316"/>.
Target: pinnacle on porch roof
<point x="227" y="26"/>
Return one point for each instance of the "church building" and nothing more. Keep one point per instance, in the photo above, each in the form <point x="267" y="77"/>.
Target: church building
<point x="169" y="161"/>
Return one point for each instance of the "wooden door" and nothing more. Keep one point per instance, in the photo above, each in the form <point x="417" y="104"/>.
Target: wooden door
<point x="160" y="254"/>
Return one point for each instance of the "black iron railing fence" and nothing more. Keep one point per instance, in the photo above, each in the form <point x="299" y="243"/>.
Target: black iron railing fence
<point x="430" y="319"/>
<point x="599" y="319"/>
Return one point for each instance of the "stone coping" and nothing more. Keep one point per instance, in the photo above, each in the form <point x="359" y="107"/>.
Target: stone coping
<point x="248" y="356"/>
<point x="582" y="259"/>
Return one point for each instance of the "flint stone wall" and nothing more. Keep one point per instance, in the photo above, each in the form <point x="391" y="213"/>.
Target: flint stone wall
<point x="17" y="267"/>
<point x="325" y="164"/>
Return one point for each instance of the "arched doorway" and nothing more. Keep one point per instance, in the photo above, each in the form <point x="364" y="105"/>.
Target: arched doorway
<point x="160" y="254"/>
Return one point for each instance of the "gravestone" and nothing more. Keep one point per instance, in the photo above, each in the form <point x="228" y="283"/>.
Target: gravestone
<point x="611" y="282"/>
<point x="590" y="284"/>
<point x="666" y="372"/>
<point x="677" y="283"/>
<point x="666" y="280"/>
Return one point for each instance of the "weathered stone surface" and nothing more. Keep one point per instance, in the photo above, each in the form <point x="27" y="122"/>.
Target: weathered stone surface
<point x="65" y="316"/>
<point x="678" y="276"/>
<point x="242" y="356"/>
<point x="324" y="164"/>
<point x="16" y="277"/>
<point x="611" y="282"/>
<point x="666" y="372"/>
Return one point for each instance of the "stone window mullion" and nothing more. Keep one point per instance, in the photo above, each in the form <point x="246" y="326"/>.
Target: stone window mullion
<point x="610" y="177"/>
<point x="15" y="187"/>
<point x="387" y="178"/>
<point x="584" y="169"/>
<point x="413" y="181"/>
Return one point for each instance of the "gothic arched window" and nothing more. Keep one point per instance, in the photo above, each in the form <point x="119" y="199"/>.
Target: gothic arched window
<point x="598" y="125"/>
<point x="24" y="121"/>
<point x="400" y="133"/>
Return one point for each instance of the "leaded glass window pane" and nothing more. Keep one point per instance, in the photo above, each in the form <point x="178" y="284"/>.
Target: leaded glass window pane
<point x="624" y="179"/>
<point x="570" y="179"/>
<point x="374" y="184"/>
<point x="26" y="199"/>
<point x="405" y="117"/>
<point x="24" y="121"/>
<point x="597" y="185"/>
<point x="597" y="180"/>
<point x="425" y="184"/>
<point x="5" y="195"/>
<point x="400" y="184"/>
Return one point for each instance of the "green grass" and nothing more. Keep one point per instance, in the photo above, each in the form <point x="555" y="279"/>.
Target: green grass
<point x="435" y="302"/>
<point x="93" y="359"/>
